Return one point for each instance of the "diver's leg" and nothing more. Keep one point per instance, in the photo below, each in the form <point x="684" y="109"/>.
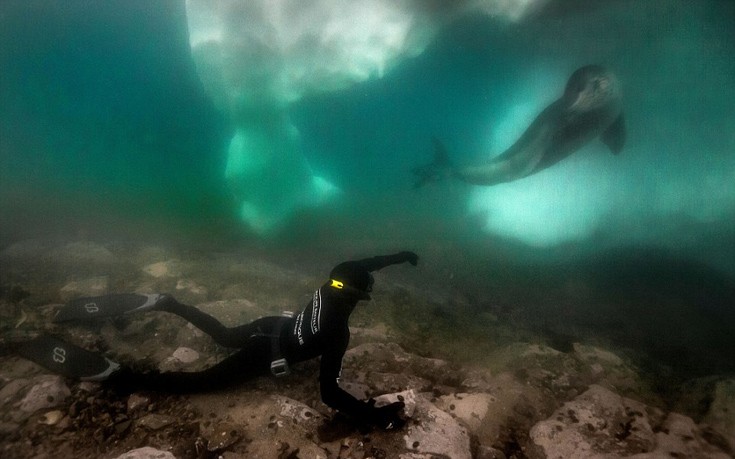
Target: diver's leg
<point x="234" y="337"/>
<point x="199" y="319"/>
<point x="251" y="361"/>
<point x="126" y="303"/>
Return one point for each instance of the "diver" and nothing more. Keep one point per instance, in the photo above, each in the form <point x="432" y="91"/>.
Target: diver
<point x="269" y="344"/>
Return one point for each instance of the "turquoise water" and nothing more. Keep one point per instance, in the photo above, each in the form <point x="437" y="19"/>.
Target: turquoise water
<point x="102" y="114"/>
<point x="108" y="130"/>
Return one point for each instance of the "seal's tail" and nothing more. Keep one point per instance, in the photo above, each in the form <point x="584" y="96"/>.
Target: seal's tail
<point x="440" y="168"/>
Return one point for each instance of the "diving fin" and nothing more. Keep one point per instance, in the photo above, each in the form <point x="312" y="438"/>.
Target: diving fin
<point x="440" y="168"/>
<point x="67" y="359"/>
<point x="614" y="136"/>
<point x="107" y="306"/>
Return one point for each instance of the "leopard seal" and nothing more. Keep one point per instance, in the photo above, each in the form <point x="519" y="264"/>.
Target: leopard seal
<point x="590" y="107"/>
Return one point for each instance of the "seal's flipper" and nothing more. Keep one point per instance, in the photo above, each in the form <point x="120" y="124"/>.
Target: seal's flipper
<point x="67" y="359"/>
<point x="107" y="306"/>
<point x="614" y="135"/>
<point x="435" y="171"/>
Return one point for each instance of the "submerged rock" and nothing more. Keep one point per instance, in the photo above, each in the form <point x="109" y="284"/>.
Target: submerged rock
<point x="721" y="414"/>
<point x="436" y="433"/>
<point x="600" y="422"/>
<point x="168" y="268"/>
<point x="8" y="428"/>
<point x="390" y="358"/>
<point x="137" y="402"/>
<point x="185" y="355"/>
<point x="48" y="392"/>
<point x="679" y="436"/>
<point x="51" y="418"/>
<point x="179" y="359"/>
<point x="155" y="421"/>
<point x="279" y="427"/>
<point x="12" y="389"/>
<point x="191" y="287"/>
<point x="299" y="413"/>
<point x="595" y="422"/>
<point x="146" y="452"/>
<point x="221" y="436"/>
<point x="430" y="432"/>
<point x="472" y="409"/>
<point x="487" y="452"/>
<point x="94" y="286"/>
<point x="83" y="252"/>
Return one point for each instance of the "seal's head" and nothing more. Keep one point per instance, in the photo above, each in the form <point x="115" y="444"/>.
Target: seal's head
<point x="591" y="87"/>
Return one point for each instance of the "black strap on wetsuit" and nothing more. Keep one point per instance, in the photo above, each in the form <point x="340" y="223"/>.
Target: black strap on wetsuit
<point x="279" y="365"/>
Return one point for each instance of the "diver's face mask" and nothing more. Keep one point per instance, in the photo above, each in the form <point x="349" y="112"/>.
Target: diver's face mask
<point x="352" y="291"/>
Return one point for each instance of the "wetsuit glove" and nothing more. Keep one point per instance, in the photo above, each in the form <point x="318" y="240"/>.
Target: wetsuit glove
<point x="387" y="417"/>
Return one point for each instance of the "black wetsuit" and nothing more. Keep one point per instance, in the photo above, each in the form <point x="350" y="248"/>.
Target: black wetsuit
<point x="321" y="329"/>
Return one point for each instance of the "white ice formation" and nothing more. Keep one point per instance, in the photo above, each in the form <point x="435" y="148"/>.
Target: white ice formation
<point x="256" y="57"/>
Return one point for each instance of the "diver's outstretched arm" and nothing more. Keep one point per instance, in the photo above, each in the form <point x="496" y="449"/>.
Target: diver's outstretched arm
<point x="380" y="262"/>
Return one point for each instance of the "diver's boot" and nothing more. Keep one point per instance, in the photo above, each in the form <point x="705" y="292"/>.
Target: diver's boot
<point x="109" y="306"/>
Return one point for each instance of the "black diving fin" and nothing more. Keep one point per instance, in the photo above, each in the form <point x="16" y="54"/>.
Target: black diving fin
<point x="107" y="306"/>
<point x="67" y="359"/>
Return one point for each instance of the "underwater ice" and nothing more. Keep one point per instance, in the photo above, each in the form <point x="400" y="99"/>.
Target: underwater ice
<point x="257" y="57"/>
<point x="268" y="174"/>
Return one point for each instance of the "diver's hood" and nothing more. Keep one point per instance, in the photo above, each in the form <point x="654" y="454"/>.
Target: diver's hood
<point x="353" y="279"/>
<point x="345" y="289"/>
